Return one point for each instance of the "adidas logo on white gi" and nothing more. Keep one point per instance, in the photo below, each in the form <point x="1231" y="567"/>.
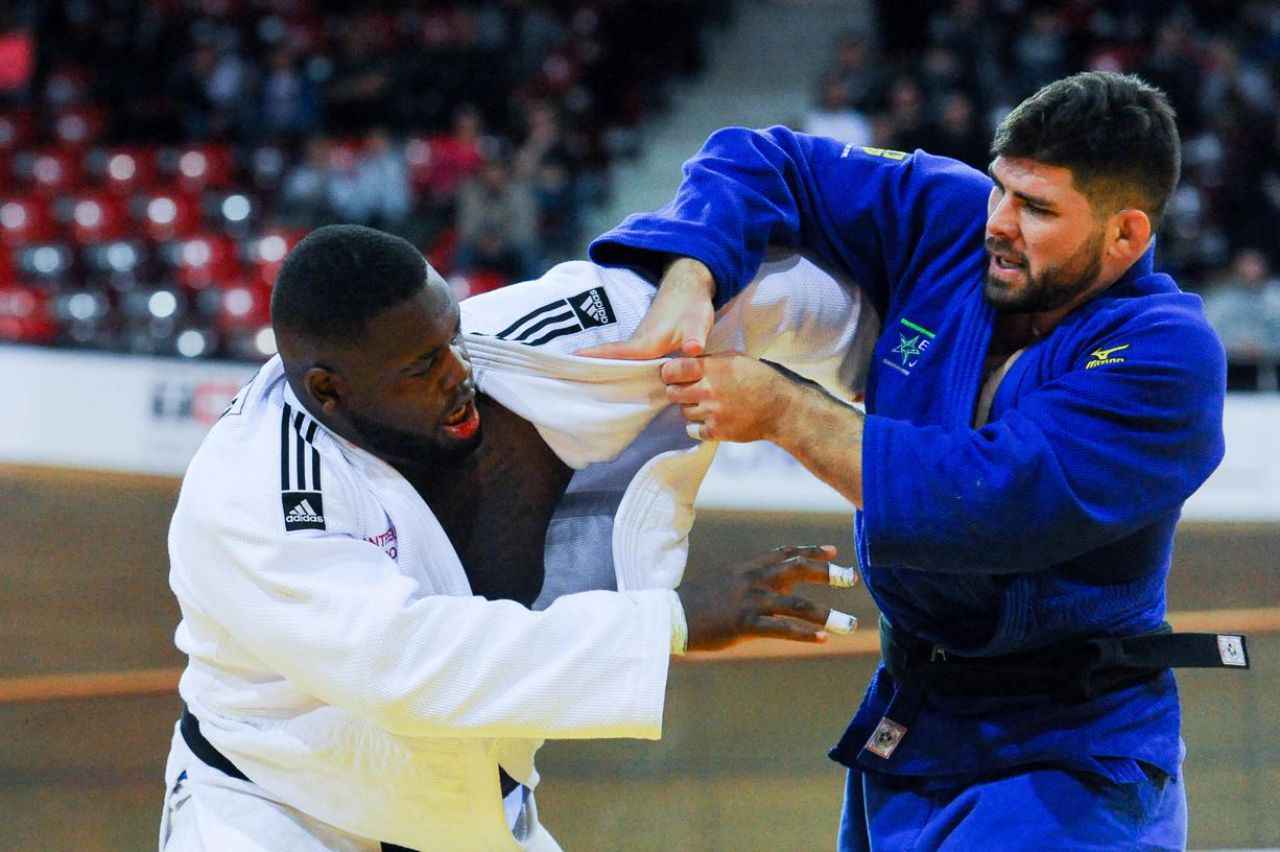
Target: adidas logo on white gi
<point x="592" y="307"/>
<point x="589" y="309"/>
<point x="303" y="510"/>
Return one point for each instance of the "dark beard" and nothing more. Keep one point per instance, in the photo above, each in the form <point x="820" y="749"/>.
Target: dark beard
<point x="1052" y="288"/>
<point x="398" y="447"/>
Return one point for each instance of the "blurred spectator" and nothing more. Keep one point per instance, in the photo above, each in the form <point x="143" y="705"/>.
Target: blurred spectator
<point x="860" y="76"/>
<point x="305" y="192"/>
<point x="1040" y="51"/>
<point x="959" y="134"/>
<point x="497" y="224"/>
<point x="289" y="104"/>
<point x="360" y="90"/>
<point x="190" y="93"/>
<point x="835" y="117"/>
<point x="1244" y="308"/>
<point x="376" y="190"/>
<point x="456" y="156"/>
<point x="545" y="163"/>
<point x="909" y="125"/>
<point x="556" y="196"/>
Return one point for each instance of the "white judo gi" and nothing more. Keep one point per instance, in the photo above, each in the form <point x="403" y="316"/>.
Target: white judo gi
<point x="336" y="654"/>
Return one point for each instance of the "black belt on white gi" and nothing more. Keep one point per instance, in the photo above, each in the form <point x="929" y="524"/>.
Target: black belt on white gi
<point x="1070" y="671"/>
<point x="203" y="749"/>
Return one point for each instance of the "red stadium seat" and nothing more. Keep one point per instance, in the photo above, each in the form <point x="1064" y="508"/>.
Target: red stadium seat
<point x="16" y="129"/>
<point x="52" y="171"/>
<point x="26" y="315"/>
<point x="85" y="316"/>
<point x="115" y="259"/>
<point x="230" y="212"/>
<point x="146" y="304"/>
<point x="95" y="217"/>
<point x="78" y="127"/>
<point x="167" y="214"/>
<point x="25" y="220"/>
<point x="46" y="263"/>
<point x="266" y="253"/>
<point x="198" y="167"/>
<point x="123" y="170"/>
<point x="244" y="306"/>
<point x="204" y="260"/>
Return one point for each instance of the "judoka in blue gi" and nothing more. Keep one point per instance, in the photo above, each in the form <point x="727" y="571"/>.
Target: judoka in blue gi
<point x="1040" y="404"/>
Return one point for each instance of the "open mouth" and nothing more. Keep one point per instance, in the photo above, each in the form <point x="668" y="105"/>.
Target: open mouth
<point x="1003" y="262"/>
<point x="463" y="421"/>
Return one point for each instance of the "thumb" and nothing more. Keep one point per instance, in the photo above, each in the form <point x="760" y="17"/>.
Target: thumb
<point x="693" y="332"/>
<point x="629" y="350"/>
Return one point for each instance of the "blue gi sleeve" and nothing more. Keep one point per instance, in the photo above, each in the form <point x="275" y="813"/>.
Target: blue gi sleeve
<point x="861" y="211"/>
<point x="1081" y="461"/>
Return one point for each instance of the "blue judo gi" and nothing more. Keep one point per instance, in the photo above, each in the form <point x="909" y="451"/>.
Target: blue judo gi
<point x="1053" y="521"/>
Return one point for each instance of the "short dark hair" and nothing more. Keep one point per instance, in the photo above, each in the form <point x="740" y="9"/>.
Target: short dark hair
<point x="1116" y="133"/>
<point x="339" y="277"/>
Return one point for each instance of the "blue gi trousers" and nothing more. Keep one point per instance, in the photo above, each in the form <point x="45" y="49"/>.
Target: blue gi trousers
<point x="1032" y="808"/>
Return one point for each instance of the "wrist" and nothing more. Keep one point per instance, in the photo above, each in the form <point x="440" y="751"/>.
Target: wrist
<point x="794" y="405"/>
<point x="691" y="274"/>
<point x="807" y="414"/>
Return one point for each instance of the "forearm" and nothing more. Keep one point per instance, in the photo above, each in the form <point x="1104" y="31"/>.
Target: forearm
<point x="824" y="435"/>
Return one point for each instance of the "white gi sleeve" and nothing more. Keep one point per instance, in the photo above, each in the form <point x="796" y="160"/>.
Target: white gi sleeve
<point x="335" y="616"/>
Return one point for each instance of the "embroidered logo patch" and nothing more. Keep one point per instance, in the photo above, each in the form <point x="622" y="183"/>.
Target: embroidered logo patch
<point x="886" y="737"/>
<point x="1231" y="651"/>
<point x="588" y="309"/>
<point x="886" y="153"/>
<point x="1100" y="356"/>
<point x="303" y="510"/>
<point x="913" y="341"/>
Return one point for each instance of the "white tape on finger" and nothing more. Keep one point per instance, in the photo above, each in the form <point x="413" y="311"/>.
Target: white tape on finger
<point x="840" y="576"/>
<point x="839" y="622"/>
<point x="694" y="430"/>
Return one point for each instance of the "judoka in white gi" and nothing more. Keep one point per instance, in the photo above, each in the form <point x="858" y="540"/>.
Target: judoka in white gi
<point x="369" y="640"/>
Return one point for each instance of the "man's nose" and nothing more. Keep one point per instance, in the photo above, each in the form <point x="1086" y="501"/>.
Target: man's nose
<point x="1001" y="222"/>
<point x="459" y="366"/>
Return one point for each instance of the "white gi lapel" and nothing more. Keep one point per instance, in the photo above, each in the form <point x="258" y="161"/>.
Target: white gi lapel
<point x="424" y="547"/>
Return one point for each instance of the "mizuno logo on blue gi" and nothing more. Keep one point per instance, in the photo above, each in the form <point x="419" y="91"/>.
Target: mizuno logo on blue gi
<point x="912" y="344"/>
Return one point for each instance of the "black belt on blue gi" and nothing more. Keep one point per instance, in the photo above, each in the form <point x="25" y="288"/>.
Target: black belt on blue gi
<point x="1070" y="671"/>
<point x="203" y="749"/>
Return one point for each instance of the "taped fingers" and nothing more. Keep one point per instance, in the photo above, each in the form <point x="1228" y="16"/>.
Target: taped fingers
<point x="840" y="576"/>
<point x="840" y="622"/>
<point x="796" y="607"/>
<point x="796" y="569"/>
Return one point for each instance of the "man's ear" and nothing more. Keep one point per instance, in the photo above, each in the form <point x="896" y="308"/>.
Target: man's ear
<point x="1130" y="235"/>
<point x="325" y="388"/>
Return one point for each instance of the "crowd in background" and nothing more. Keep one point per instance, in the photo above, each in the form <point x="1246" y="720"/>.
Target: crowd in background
<point x="481" y="129"/>
<point x="940" y="75"/>
<point x="478" y="129"/>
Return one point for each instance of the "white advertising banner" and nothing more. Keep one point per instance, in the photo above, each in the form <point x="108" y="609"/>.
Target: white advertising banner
<point x="148" y="415"/>
<point x="121" y="413"/>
